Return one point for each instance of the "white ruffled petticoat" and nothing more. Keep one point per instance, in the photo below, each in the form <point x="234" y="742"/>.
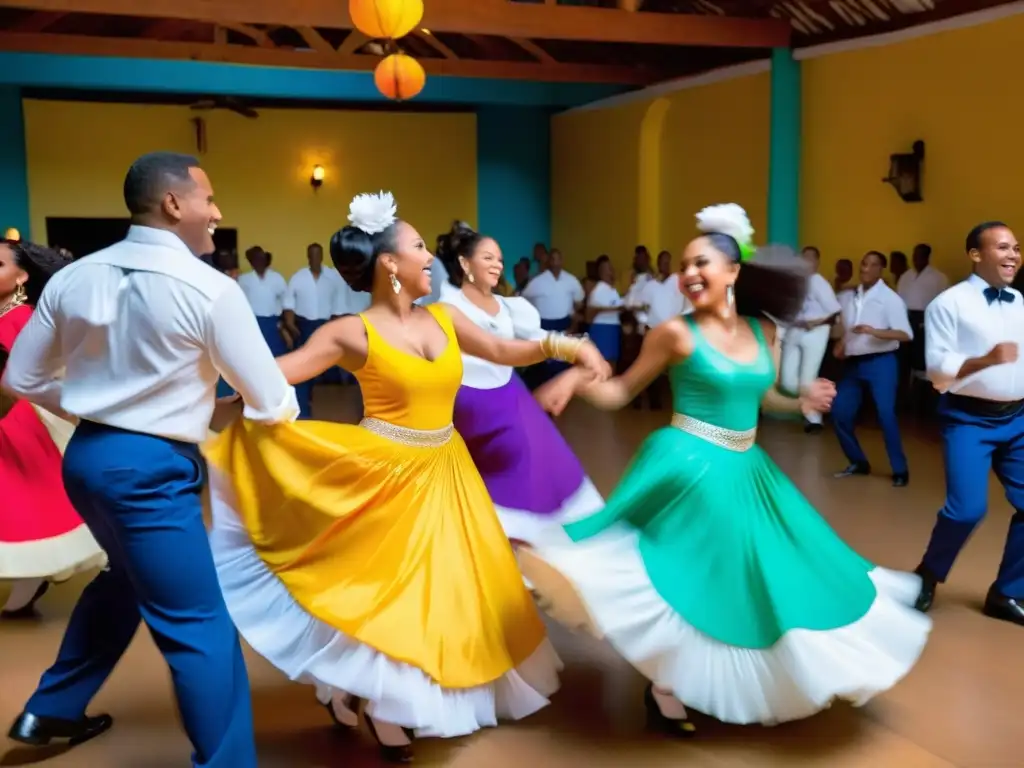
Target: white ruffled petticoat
<point x="798" y="676"/>
<point x="310" y="651"/>
<point x="527" y="527"/>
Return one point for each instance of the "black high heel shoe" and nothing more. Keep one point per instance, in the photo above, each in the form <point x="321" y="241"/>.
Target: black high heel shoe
<point x="352" y="703"/>
<point x="391" y="754"/>
<point x="656" y="720"/>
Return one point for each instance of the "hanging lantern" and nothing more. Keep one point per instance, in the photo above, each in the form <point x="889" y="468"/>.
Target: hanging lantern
<point x="399" y="77"/>
<point x="386" y="19"/>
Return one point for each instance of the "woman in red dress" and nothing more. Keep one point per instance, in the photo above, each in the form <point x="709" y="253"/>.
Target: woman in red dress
<point x="42" y="538"/>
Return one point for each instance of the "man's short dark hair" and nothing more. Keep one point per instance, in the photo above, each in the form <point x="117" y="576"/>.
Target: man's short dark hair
<point x="311" y="246"/>
<point x="881" y="258"/>
<point x="813" y="249"/>
<point x="152" y="176"/>
<point x="973" y="242"/>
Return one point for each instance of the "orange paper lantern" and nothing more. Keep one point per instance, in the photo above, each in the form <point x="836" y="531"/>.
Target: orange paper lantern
<point x="399" y="77"/>
<point x="382" y="19"/>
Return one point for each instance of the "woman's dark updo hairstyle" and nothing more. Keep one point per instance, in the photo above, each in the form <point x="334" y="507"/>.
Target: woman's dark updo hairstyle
<point x="773" y="282"/>
<point x="39" y="263"/>
<point x="355" y="253"/>
<point x="461" y="240"/>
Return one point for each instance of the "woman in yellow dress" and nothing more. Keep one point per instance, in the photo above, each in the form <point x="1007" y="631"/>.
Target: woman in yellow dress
<point x="369" y="559"/>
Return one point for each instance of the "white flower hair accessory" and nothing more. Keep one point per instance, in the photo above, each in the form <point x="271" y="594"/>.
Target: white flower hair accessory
<point x="729" y="219"/>
<point x="373" y="213"/>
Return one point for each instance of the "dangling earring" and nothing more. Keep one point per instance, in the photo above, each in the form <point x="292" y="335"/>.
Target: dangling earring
<point x="395" y="285"/>
<point x="730" y="297"/>
<point x="20" y="296"/>
<point x="466" y="272"/>
<point x="469" y="276"/>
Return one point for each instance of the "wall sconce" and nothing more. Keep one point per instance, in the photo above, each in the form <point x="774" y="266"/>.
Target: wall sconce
<point x="12" y="234"/>
<point x="316" y="179"/>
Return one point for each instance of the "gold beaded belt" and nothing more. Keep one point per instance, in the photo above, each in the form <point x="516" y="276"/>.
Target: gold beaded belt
<point x="417" y="438"/>
<point x="729" y="439"/>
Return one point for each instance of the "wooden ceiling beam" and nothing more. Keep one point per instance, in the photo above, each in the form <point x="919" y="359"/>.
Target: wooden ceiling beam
<point x="37" y="22"/>
<point x="484" y="17"/>
<point x="80" y="45"/>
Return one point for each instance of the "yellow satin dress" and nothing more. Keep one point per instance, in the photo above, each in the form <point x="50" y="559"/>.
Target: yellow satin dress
<point x="385" y="530"/>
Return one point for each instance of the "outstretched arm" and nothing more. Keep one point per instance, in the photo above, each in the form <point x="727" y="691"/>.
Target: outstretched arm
<point x="518" y="353"/>
<point x="340" y="342"/>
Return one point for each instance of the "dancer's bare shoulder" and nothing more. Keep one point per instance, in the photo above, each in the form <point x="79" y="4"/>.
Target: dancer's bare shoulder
<point x="674" y="337"/>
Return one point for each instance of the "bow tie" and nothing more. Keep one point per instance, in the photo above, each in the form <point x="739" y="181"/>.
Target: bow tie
<point x="998" y="294"/>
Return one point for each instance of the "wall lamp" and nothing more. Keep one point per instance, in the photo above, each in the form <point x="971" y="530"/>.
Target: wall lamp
<point x="316" y="179"/>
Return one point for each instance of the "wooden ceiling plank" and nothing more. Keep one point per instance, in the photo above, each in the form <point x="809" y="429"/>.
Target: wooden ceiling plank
<point x="534" y="50"/>
<point x="436" y="44"/>
<point x="485" y="17"/>
<point x="76" y="45"/>
<point x="353" y="42"/>
<point x="37" y="22"/>
<point x="258" y="36"/>
<point x="315" y="40"/>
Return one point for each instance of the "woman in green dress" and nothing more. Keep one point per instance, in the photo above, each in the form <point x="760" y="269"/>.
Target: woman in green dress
<point x="707" y="569"/>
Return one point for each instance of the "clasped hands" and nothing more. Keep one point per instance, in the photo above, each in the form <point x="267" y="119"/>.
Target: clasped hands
<point x="818" y="397"/>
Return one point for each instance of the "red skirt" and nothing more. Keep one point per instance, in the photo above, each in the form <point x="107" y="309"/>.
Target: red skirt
<point x="41" y="535"/>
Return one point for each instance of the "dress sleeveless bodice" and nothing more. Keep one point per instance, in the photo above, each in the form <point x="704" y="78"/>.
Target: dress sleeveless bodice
<point x="409" y="391"/>
<point x="714" y="388"/>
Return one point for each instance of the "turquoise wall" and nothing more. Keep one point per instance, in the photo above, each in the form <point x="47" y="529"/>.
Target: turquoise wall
<point x="13" y="166"/>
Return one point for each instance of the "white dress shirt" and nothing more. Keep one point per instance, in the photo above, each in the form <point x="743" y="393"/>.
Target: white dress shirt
<point x="919" y="289"/>
<point x="821" y="301"/>
<point x="878" y="307"/>
<point x="636" y="296"/>
<point x="604" y="295"/>
<point x="267" y="295"/>
<point x="142" y="330"/>
<point x="314" y="298"/>
<point x="349" y="302"/>
<point x="960" y="324"/>
<point x="665" y="300"/>
<point x="516" y="319"/>
<point x="554" y="297"/>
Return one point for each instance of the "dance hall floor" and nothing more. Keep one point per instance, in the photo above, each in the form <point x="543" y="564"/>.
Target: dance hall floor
<point x="959" y="707"/>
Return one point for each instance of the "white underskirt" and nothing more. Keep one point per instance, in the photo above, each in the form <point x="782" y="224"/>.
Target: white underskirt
<point x="798" y="676"/>
<point x="310" y="651"/>
<point x="527" y="527"/>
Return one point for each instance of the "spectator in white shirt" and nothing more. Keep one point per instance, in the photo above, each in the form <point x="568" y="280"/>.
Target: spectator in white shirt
<point x="604" y="306"/>
<point x="130" y="340"/>
<point x="897" y="268"/>
<point x="918" y="287"/>
<point x="805" y="341"/>
<point x="267" y="292"/>
<point x="975" y="331"/>
<point x="555" y="293"/>
<point x="661" y="300"/>
<point x="311" y="302"/>
<point x="875" y="323"/>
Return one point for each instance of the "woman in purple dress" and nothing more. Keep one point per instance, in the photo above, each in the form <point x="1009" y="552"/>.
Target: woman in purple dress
<point x="531" y="473"/>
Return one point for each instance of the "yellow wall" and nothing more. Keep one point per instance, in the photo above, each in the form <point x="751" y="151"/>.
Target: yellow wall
<point x="638" y="173"/>
<point x="960" y="92"/>
<point x="78" y="154"/>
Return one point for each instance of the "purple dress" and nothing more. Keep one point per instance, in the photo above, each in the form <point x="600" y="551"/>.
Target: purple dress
<point x="531" y="473"/>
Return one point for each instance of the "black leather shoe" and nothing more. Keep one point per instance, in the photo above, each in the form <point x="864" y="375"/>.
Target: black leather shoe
<point x="42" y="731"/>
<point x="813" y="429"/>
<point x="854" y="469"/>
<point x="926" y="596"/>
<point x="901" y="480"/>
<point x="999" y="606"/>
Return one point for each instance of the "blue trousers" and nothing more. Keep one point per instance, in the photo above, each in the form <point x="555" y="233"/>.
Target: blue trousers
<point x="972" y="445"/>
<point x="304" y="391"/>
<point x="271" y="334"/>
<point x="879" y="376"/>
<point x="140" y="497"/>
<point x="608" y="340"/>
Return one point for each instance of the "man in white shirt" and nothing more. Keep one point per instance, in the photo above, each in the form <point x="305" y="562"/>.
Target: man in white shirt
<point x="918" y="287"/>
<point x="267" y="292"/>
<point x="555" y="293"/>
<point x="974" y="334"/>
<point x="805" y="341"/>
<point x="660" y="299"/>
<point x="311" y="302"/>
<point x="875" y="323"/>
<point x="141" y="331"/>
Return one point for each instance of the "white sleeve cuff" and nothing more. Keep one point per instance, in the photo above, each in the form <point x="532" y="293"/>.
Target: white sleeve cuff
<point x="286" y="412"/>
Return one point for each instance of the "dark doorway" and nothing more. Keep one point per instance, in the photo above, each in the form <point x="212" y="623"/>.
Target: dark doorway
<point x="85" y="236"/>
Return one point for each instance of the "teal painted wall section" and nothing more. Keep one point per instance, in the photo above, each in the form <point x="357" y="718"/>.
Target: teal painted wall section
<point x="784" y="151"/>
<point x="514" y="178"/>
<point x="193" y="77"/>
<point x="13" y="165"/>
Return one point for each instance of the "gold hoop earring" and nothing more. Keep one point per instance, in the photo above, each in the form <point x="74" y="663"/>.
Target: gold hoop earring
<point x="395" y="285"/>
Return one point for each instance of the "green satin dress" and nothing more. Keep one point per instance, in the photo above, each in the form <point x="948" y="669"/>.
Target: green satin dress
<point x="710" y="571"/>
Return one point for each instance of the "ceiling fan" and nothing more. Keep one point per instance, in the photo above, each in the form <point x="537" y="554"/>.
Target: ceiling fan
<point x="225" y="102"/>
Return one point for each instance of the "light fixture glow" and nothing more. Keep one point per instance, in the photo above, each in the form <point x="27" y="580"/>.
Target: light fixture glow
<point x="316" y="179"/>
<point x="12" y="234"/>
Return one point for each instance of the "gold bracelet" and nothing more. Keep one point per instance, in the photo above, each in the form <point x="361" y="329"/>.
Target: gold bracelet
<point x="559" y="346"/>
